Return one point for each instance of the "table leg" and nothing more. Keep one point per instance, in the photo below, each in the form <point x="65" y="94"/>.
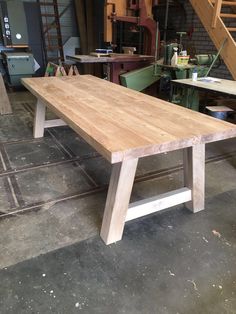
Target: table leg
<point x="39" y="119"/>
<point x="194" y="176"/>
<point x="117" y="203"/>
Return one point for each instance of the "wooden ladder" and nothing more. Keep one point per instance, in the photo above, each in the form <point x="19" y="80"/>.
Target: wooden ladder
<point x="214" y="21"/>
<point x="51" y="31"/>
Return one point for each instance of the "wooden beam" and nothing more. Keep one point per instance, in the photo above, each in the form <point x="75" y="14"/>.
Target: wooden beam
<point x="216" y="13"/>
<point x="39" y="119"/>
<point x="53" y="123"/>
<point x="148" y="4"/>
<point x="5" y="106"/>
<point x="118" y="7"/>
<point x="81" y="20"/>
<point x="194" y="176"/>
<point x="117" y="203"/>
<point x="157" y="203"/>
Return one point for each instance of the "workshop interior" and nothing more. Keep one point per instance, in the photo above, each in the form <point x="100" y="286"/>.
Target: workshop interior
<point x="104" y="102"/>
<point x="147" y="44"/>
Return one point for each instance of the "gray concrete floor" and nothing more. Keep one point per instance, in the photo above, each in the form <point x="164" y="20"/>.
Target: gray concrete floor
<point x="52" y="196"/>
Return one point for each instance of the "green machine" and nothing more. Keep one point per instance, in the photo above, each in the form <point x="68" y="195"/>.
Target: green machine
<point x="165" y="73"/>
<point x="18" y="65"/>
<point x="17" y="60"/>
<point x="188" y="97"/>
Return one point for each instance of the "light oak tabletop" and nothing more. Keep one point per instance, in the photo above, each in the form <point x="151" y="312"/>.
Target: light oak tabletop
<point x="121" y="123"/>
<point x="213" y="84"/>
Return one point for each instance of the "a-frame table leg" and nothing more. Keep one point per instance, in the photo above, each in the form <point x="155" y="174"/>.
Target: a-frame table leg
<point x="120" y="188"/>
<point x="39" y="119"/>
<point x="194" y="176"/>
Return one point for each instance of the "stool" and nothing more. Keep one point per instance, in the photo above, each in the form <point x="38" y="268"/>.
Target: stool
<point x="219" y="112"/>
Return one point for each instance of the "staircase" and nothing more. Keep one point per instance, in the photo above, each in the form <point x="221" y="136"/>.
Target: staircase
<point x="51" y="31"/>
<point x="213" y="17"/>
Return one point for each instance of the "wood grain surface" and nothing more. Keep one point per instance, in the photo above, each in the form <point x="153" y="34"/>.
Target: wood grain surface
<point x="5" y="106"/>
<point x="113" y="58"/>
<point x="221" y="86"/>
<point x="121" y="123"/>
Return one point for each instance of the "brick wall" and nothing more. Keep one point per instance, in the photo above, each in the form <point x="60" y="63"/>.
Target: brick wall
<point x="200" y="41"/>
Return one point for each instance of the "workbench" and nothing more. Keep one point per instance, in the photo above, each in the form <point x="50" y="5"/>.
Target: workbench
<point x="117" y="63"/>
<point x="219" y="86"/>
<point x="124" y="125"/>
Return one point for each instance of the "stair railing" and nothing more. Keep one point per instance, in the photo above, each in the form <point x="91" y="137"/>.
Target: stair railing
<point x="216" y="13"/>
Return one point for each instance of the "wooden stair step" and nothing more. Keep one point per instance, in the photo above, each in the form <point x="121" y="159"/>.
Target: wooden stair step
<point x="225" y="3"/>
<point x="231" y="29"/>
<point x="47" y="3"/>
<point x="228" y="15"/>
<point x="53" y="47"/>
<point x="51" y="26"/>
<point x="55" y="58"/>
<point x="51" y="4"/>
<point x="54" y="36"/>
<point x="48" y="14"/>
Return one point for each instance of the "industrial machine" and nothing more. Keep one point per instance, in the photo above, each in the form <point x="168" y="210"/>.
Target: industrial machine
<point x="136" y="12"/>
<point x="17" y="60"/>
<point x="164" y="71"/>
<point x="200" y="64"/>
<point x="139" y="13"/>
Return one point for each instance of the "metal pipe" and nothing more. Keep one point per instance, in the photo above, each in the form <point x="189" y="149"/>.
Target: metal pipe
<point x="216" y="57"/>
<point x="166" y="19"/>
<point x="156" y="49"/>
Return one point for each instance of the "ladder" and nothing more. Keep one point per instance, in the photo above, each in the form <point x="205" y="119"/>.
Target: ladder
<point x="51" y="30"/>
<point x="216" y="16"/>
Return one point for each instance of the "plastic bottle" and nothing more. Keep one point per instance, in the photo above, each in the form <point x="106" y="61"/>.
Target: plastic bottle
<point x="174" y="59"/>
<point x="194" y="75"/>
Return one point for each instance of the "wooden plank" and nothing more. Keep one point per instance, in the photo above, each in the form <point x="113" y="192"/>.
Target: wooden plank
<point x="228" y="15"/>
<point x="89" y="18"/>
<point x="227" y="87"/>
<point x="39" y="119"/>
<point x="108" y="23"/>
<point x="216" y="12"/>
<point x="157" y="203"/>
<point x="121" y="123"/>
<point x="81" y="20"/>
<point x="76" y="71"/>
<point x="112" y="58"/>
<point x="54" y="123"/>
<point x="194" y="176"/>
<point x="118" y="197"/>
<point x="149" y="5"/>
<point x="219" y="108"/>
<point x="226" y="3"/>
<point x="119" y="9"/>
<point x="5" y="106"/>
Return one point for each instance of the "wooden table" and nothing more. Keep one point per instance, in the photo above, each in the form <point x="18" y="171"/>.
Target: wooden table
<point x="117" y="63"/>
<point x="124" y="125"/>
<point x="114" y="58"/>
<point x="222" y="86"/>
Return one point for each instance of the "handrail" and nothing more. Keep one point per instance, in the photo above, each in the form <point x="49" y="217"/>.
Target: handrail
<point x="216" y="13"/>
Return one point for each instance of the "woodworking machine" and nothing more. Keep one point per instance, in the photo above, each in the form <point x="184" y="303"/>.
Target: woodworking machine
<point x="137" y="12"/>
<point x="17" y="60"/>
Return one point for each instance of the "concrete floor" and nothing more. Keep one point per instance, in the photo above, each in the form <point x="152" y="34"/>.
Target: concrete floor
<point x="52" y="196"/>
